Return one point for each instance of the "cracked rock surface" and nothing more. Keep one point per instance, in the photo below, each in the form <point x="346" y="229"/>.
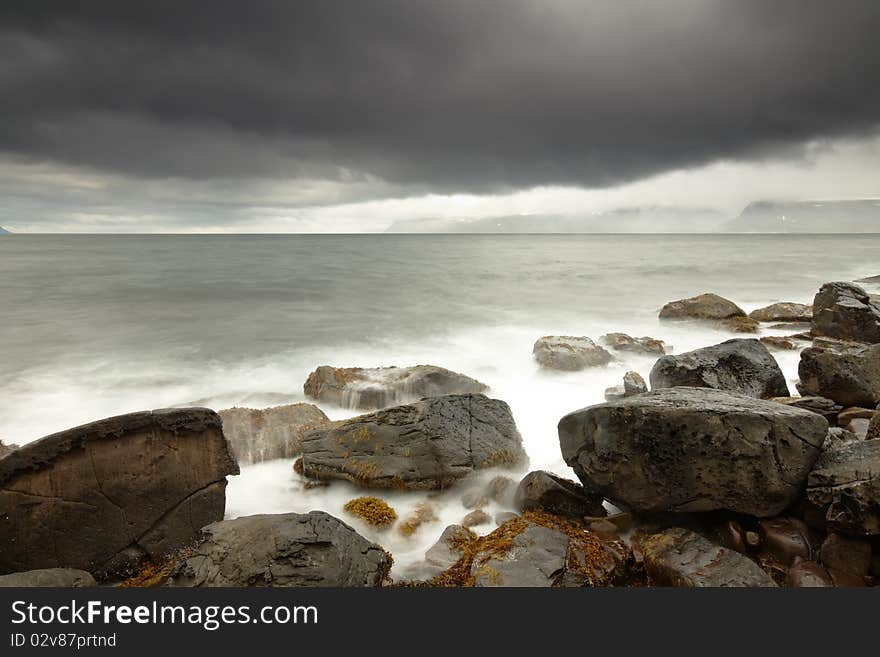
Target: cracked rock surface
<point x="693" y="449"/>
<point x="429" y="444"/>
<point x="105" y="496"/>
<point x="291" y="549"/>
<point x="845" y="486"/>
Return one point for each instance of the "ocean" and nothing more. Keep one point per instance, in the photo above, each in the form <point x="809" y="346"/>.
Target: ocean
<point x="93" y="326"/>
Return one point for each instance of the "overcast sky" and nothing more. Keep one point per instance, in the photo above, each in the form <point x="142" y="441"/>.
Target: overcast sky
<point x="345" y="116"/>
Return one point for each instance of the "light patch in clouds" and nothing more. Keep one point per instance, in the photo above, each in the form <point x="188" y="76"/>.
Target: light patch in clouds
<point x="53" y="198"/>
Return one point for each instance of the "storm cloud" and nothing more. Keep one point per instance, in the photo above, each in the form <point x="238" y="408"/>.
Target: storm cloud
<point x="459" y="95"/>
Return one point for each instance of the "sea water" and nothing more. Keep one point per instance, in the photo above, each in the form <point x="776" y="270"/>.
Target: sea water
<point x="93" y="326"/>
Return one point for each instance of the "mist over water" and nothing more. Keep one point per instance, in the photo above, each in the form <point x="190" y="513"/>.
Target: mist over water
<point x="94" y="326"/>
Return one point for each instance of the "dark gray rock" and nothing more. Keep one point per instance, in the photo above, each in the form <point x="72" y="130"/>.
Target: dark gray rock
<point x="784" y="311"/>
<point x="693" y="449"/>
<point x="49" y="577"/>
<point x="569" y="353"/>
<point x="846" y="554"/>
<point x="849" y="375"/>
<point x="547" y="492"/>
<point x="370" y="388"/>
<point x="846" y="312"/>
<point x="740" y="365"/>
<point x="704" y="306"/>
<point x="429" y="444"/>
<point x="844" y="486"/>
<point x="624" y="342"/>
<point x="536" y="558"/>
<point x="291" y="549"/>
<point x="104" y="496"/>
<point x="680" y="557"/>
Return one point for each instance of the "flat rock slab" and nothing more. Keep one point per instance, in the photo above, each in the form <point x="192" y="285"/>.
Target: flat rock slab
<point x="49" y="577"/>
<point x="257" y="435"/>
<point x="380" y="387"/>
<point x="429" y="444"/>
<point x="291" y="549"/>
<point x="784" y="311"/>
<point x="693" y="449"/>
<point x="845" y="486"/>
<point x="104" y="496"/>
<point x="743" y="366"/>
<point x="680" y="557"/>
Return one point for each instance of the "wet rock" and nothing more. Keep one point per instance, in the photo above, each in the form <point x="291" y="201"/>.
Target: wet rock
<point x="474" y="499"/>
<point x="680" y="557"/>
<point x="547" y="492"/>
<point x="703" y="307"/>
<point x="49" y="577"/>
<point x="838" y="436"/>
<point x="475" y="518"/>
<point x="845" y="416"/>
<point x="731" y="535"/>
<point x="501" y="489"/>
<point x="845" y="580"/>
<point x="785" y="539"/>
<point x="693" y="449"/>
<point x="873" y="432"/>
<point x="614" y="393"/>
<point x="844" y="486"/>
<point x="846" y="555"/>
<point x="290" y="549"/>
<point x="449" y="547"/>
<point x="859" y="427"/>
<point x="779" y="343"/>
<point x="372" y="388"/>
<point x="783" y="312"/>
<point x="624" y="342"/>
<point x="633" y="384"/>
<point x="739" y="325"/>
<point x="740" y="365"/>
<point x="808" y="574"/>
<point x="569" y="353"/>
<point x="105" y="496"/>
<point x="819" y="405"/>
<point x="429" y="444"/>
<point x="846" y="312"/>
<point x="257" y="435"/>
<point x="540" y="550"/>
<point x="848" y="375"/>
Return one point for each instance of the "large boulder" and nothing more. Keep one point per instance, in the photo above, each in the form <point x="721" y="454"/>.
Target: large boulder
<point x="257" y="435"/>
<point x="784" y="311"/>
<point x="693" y="449"/>
<point x="848" y="375"/>
<point x="49" y="577"/>
<point x="546" y="492"/>
<point x="569" y="353"/>
<point x="844" y="486"/>
<point x="680" y="557"/>
<point x="290" y="549"/>
<point x="104" y="496"/>
<point x="743" y="366"/>
<point x="846" y="312"/>
<point x="379" y="387"/>
<point x="429" y="444"/>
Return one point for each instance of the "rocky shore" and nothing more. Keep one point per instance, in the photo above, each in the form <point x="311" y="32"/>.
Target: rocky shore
<point x="716" y="476"/>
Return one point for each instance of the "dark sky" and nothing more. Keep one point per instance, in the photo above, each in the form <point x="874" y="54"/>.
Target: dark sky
<point x="408" y="97"/>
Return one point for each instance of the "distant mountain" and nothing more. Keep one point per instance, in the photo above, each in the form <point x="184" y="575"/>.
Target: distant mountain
<point x="832" y="216"/>
<point x="623" y="220"/>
